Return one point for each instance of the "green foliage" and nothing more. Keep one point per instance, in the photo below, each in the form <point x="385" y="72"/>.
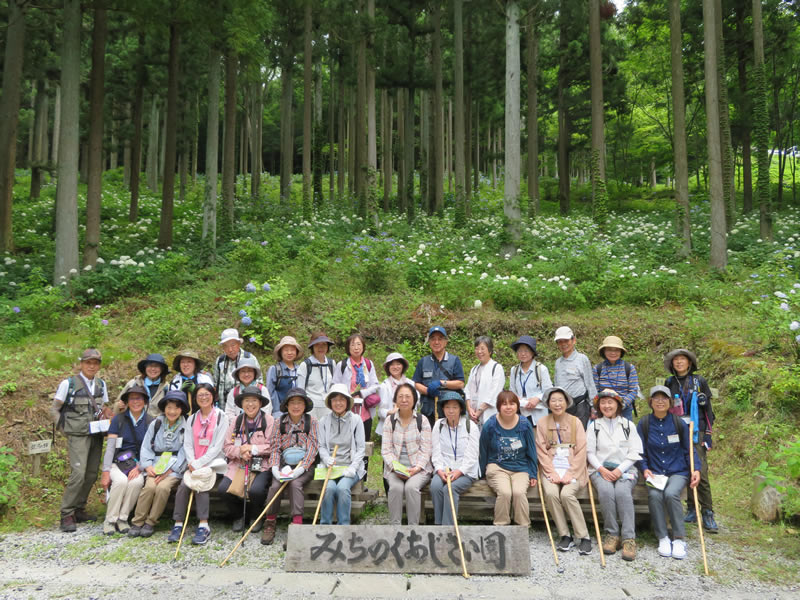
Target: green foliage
<point x="741" y="389"/>
<point x="344" y="320"/>
<point x="262" y="310"/>
<point x="785" y="477"/>
<point x="9" y="478"/>
<point x="786" y="389"/>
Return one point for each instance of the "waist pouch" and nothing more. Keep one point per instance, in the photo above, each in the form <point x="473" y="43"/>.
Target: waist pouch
<point x="125" y="461"/>
<point x="292" y="456"/>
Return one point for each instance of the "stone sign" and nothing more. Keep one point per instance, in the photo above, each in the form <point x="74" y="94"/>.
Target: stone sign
<point x="488" y="550"/>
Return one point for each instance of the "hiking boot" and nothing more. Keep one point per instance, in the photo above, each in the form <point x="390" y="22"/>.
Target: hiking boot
<point x="628" y="550"/>
<point x="68" y="524"/>
<point x="691" y="516"/>
<point x="147" y="530"/>
<point x="238" y="525"/>
<point x="565" y="544"/>
<point x="175" y="534"/>
<point x="268" y="535"/>
<point x="610" y="544"/>
<point x="109" y="528"/>
<point x="258" y="526"/>
<point x="81" y="516"/>
<point x="585" y="546"/>
<point x="709" y="523"/>
<point x="665" y="547"/>
<point x="123" y="527"/>
<point x="135" y="531"/>
<point x="201" y="536"/>
<point x="678" y="549"/>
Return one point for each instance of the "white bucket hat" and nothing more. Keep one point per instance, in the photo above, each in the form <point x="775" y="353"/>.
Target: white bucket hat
<point x="200" y="480"/>
<point x="230" y="334"/>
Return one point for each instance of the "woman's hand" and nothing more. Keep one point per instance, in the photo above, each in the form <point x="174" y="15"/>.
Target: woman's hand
<point x="151" y="472"/>
<point x="647" y="473"/>
<point x="413" y="471"/>
<point x="455" y="474"/>
<point x="695" y="479"/>
<point x="533" y="482"/>
<point x="133" y="473"/>
<point x="442" y="475"/>
<point x="246" y="451"/>
<point x="105" y="480"/>
<point x="532" y="403"/>
<point x="609" y="475"/>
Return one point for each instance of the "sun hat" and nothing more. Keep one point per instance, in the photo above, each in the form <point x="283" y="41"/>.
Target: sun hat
<point x="436" y="329"/>
<point x="342" y="389"/>
<point x="178" y="396"/>
<point x="287" y="340"/>
<point x="525" y="340"/>
<point x="611" y="341"/>
<point x="449" y="395"/>
<point x="91" y="354"/>
<point x="200" y="480"/>
<point x="548" y="391"/>
<point x="608" y="393"/>
<point x="134" y="389"/>
<point x="186" y="353"/>
<point x="250" y="390"/>
<point x="678" y="351"/>
<point x="230" y="334"/>
<point x="564" y="333"/>
<point x="296" y="392"/>
<point x="153" y="358"/>
<point x="247" y="362"/>
<point x="656" y="389"/>
<point x="319" y="337"/>
<point x="395" y="356"/>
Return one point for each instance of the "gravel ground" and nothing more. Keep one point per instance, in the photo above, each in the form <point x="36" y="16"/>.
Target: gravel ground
<point x="41" y="564"/>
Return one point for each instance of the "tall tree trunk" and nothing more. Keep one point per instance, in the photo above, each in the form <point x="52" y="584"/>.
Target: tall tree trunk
<point x="317" y="157"/>
<point x="56" y="124"/>
<point x="745" y="125"/>
<point x="331" y="139"/>
<point x="152" y="147"/>
<point x="371" y="191"/>
<point x="598" y="160"/>
<point x="40" y="151"/>
<point x="477" y="170"/>
<point x="388" y="125"/>
<point x="719" y="253"/>
<point x="287" y="129"/>
<point x="170" y="137"/>
<point x="136" y="143"/>
<point x="307" y="105"/>
<point x="359" y="114"/>
<point x="229" y="143"/>
<point x="761" y="126"/>
<point x="209" y="233"/>
<point x="256" y="121"/>
<point x="341" y="163"/>
<point x="460" y="150"/>
<point x="400" y="150"/>
<point x="728" y="183"/>
<point x="533" y="115"/>
<point x="679" y="137"/>
<point x="436" y="178"/>
<point x="95" y="181"/>
<point x="9" y="116"/>
<point x="513" y="159"/>
<point x="408" y="154"/>
<point x="66" y="250"/>
<point x="563" y="117"/>
<point x="448" y="144"/>
<point x="126" y="150"/>
<point x="352" y="177"/>
<point x="195" y="138"/>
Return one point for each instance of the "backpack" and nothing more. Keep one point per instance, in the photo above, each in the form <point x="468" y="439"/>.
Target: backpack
<point x="237" y="429"/>
<point x="99" y="392"/>
<point x="598" y="368"/>
<point x="279" y="375"/>
<point x="645" y="421"/>
<point x="418" y="418"/>
<point x="156" y="427"/>
<point x="285" y="421"/>
<point x="625" y="430"/>
<point x="309" y="365"/>
<point x="221" y="361"/>
<point x="441" y="426"/>
<point x="366" y="360"/>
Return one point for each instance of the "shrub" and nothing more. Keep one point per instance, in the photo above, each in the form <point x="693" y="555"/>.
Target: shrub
<point x="9" y="478"/>
<point x="260" y="308"/>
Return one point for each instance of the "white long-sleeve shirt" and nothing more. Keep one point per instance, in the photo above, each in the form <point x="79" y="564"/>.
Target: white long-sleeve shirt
<point x="386" y="392"/>
<point x="528" y="385"/>
<point x="606" y="441"/>
<point x="485" y="382"/>
<point x="455" y="448"/>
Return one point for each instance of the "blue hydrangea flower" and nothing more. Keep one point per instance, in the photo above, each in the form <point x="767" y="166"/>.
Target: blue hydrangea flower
<point x="243" y="313"/>
<point x="266" y="287"/>
<point x="251" y="339"/>
<point x="784" y="306"/>
<point x="17" y="309"/>
<point x="248" y="303"/>
<point x="247" y="321"/>
<point x="250" y="288"/>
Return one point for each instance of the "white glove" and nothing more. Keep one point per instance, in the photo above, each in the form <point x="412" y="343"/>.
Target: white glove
<point x="350" y="473"/>
<point x="328" y="461"/>
<point x="276" y="473"/>
<point x="298" y="472"/>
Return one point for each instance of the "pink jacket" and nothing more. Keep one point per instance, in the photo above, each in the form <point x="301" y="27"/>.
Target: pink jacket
<point x="260" y="441"/>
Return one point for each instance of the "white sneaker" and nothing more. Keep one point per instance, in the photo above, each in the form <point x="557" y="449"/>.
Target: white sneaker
<point x="679" y="549"/>
<point x="664" y="547"/>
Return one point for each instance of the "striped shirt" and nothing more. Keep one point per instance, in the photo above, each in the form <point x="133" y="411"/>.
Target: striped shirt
<point x="613" y="376"/>
<point x="294" y="436"/>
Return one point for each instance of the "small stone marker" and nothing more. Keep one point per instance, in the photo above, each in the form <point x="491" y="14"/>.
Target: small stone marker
<point x="488" y="550"/>
<point x="37" y="448"/>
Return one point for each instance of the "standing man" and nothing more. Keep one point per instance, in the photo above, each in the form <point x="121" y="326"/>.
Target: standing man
<point x="228" y="362"/>
<point x="574" y="374"/>
<point x="437" y="371"/>
<point x="79" y="401"/>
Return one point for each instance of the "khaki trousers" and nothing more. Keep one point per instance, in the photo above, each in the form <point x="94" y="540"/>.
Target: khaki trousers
<point x="122" y="495"/>
<point x="84" y="453"/>
<point x="411" y="490"/>
<point x="511" y="487"/>
<point x="153" y="499"/>
<point x="560" y="497"/>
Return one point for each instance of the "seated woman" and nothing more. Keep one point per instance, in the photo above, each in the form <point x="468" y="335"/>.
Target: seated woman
<point x="121" y="462"/>
<point x="454" y="442"/>
<point x="613" y="447"/>
<point x="246" y="374"/>
<point x="561" y="447"/>
<point x="294" y="446"/>
<point x="395" y="367"/>
<point x="665" y="467"/>
<point x="202" y="445"/>
<point x="189" y="374"/>
<point x="508" y="460"/>
<point x="406" y="451"/>
<point x="344" y="429"/>
<point x="247" y="449"/>
<point x="153" y="378"/>
<point x="163" y="461"/>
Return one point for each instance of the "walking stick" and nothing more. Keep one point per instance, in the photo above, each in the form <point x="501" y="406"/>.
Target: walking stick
<point x="596" y="526"/>
<point x="261" y="516"/>
<point x="455" y="524"/>
<point x="244" y="497"/>
<point x="185" y="521"/>
<point x="325" y="485"/>
<point x="546" y="522"/>
<point x="696" y="501"/>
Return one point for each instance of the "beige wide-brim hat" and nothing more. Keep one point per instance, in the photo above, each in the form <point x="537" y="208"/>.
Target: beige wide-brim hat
<point x="200" y="480"/>
<point x="199" y="362"/>
<point x="611" y="341"/>
<point x="287" y="340"/>
<point x="548" y="391"/>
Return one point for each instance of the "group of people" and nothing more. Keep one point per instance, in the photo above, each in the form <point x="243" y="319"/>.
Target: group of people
<point x="251" y="437"/>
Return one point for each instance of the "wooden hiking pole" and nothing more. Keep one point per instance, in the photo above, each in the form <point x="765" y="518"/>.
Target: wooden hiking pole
<point x="455" y="524"/>
<point x="185" y="521"/>
<point x="696" y="501"/>
<point x="261" y="516"/>
<point x="547" y="523"/>
<point x="596" y="526"/>
<point x="325" y="484"/>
